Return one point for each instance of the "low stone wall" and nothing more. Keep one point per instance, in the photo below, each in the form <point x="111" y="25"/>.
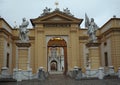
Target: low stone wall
<point x="76" y="73"/>
<point x="5" y="73"/>
<point x="20" y="75"/>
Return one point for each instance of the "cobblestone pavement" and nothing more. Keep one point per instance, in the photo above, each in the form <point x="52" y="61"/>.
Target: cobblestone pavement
<point x="63" y="80"/>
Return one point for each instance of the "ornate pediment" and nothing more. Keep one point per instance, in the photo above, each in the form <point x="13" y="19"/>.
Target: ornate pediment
<point x="56" y="17"/>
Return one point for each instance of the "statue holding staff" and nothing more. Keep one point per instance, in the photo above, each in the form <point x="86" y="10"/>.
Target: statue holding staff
<point x="92" y="28"/>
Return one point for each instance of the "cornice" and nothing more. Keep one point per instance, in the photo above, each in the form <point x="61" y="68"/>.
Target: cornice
<point x="5" y="31"/>
<point x="117" y="29"/>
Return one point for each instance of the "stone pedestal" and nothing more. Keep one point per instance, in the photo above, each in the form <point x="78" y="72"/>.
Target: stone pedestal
<point x="23" y="70"/>
<point x="42" y="75"/>
<point x="94" y="58"/>
<point x="5" y="72"/>
<point x="111" y="70"/>
<point x="90" y="73"/>
<point x="75" y="73"/>
<point x="17" y="74"/>
<point x="20" y="75"/>
<point x="94" y="55"/>
<point x="101" y="73"/>
<point x="87" y="72"/>
<point x="23" y="46"/>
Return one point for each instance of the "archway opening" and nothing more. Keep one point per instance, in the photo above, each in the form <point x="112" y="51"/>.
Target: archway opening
<point x="57" y="55"/>
<point x="53" y="66"/>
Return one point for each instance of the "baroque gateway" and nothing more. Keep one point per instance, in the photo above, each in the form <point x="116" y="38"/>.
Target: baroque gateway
<point x="57" y="43"/>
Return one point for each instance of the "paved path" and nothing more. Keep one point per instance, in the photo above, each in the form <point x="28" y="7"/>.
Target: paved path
<point x="63" y="80"/>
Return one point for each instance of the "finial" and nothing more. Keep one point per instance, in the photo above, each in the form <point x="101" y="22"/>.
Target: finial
<point x="15" y="24"/>
<point x="114" y="16"/>
<point x="56" y="3"/>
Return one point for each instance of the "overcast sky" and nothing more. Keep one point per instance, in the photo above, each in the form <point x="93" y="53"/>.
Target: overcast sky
<point x="100" y="10"/>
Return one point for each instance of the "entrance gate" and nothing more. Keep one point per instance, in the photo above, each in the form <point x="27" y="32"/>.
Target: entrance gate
<point x="57" y="55"/>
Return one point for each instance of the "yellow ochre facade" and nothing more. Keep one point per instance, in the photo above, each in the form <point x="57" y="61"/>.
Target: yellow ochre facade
<point x="59" y="34"/>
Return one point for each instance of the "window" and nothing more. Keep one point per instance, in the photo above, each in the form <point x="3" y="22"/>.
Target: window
<point x="106" y="59"/>
<point x="105" y="43"/>
<point x="8" y="44"/>
<point x="7" y="64"/>
<point x="87" y="60"/>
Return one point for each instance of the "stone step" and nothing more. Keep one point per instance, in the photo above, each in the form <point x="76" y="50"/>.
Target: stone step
<point x="7" y="80"/>
<point x="56" y="72"/>
<point x="111" y="77"/>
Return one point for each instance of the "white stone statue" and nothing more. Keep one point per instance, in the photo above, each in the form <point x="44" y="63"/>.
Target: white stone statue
<point x="23" y="30"/>
<point x="67" y="11"/>
<point x="46" y="11"/>
<point x="92" y="28"/>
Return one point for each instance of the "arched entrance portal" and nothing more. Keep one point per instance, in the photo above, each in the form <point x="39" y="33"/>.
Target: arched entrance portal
<point x="57" y="55"/>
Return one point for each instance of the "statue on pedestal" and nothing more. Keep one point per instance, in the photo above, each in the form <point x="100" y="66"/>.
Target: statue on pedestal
<point x="46" y="11"/>
<point x="23" y="30"/>
<point x="67" y="11"/>
<point x="92" y="28"/>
